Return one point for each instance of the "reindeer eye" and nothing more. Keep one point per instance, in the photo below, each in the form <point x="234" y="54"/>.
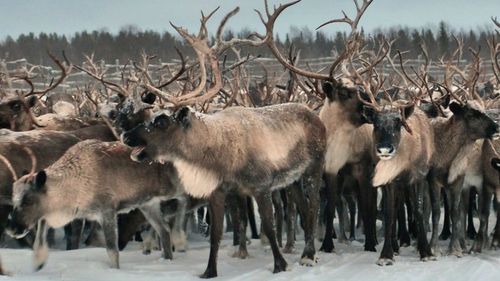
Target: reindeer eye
<point x="16" y="106"/>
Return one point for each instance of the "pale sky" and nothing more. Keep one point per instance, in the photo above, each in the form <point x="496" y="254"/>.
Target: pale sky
<point x="69" y="16"/>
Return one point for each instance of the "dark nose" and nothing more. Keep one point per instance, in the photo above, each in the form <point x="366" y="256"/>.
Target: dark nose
<point x="385" y="148"/>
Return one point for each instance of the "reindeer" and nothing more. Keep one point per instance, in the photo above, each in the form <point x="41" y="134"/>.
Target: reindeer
<point x="101" y="181"/>
<point x="348" y="142"/>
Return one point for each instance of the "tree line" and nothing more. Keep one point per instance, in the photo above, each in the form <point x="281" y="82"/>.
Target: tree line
<point x="131" y="41"/>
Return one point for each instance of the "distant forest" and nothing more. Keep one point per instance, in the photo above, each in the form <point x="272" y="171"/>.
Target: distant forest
<point x="130" y="41"/>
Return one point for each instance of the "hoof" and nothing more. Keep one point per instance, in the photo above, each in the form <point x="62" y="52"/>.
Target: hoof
<point x="241" y="254"/>
<point x="39" y="267"/>
<point x="280" y="266"/>
<point x="370" y="249"/>
<point x="209" y="274"/>
<point x="428" y="258"/>
<point x="146" y="252"/>
<point x="306" y="261"/>
<point x="327" y="246"/>
<point x="436" y="251"/>
<point x="288" y="249"/>
<point x="384" y="262"/>
<point x="456" y="253"/>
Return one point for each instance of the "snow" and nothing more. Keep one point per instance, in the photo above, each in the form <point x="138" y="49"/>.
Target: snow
<point x="349" y="262"/>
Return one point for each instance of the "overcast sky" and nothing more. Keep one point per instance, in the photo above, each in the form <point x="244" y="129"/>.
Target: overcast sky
<point x="69" y="16"/>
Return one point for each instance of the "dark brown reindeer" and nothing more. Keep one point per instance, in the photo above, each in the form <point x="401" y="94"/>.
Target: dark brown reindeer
<point x="456" y="141"/>
<point x="93" y="180"/>
<point x="348" y="145"/>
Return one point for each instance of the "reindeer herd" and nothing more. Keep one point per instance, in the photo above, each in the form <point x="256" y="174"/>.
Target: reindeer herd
<point x="157" y="148"/>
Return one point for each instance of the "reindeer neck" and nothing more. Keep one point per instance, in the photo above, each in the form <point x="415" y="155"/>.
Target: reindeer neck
<point x="450" y="137"/>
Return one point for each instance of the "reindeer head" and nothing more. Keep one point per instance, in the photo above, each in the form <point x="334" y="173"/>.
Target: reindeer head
<point x="15" y="112"/>
<point x="28" y="202"/>
<point x="388" y="124"/>
<point x="344" y="94"/>
<point x="157" y="139"/>
<point x="477" y="124"/>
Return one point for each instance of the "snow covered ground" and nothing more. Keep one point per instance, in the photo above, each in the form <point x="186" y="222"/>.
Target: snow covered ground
<point x="349" y="262"/>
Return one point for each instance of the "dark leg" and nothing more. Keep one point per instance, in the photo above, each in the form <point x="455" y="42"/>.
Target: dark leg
<point x="417" y="196"/>
<point x="154" y="216"/>
<point x="216" y="211"/>
<point x="330" y="190"/>
<point x="251" y="218"/>
<point x="290" y="220"/>
<point x="308" y="204"/>
<point x="471" y="230"/>
<point x="484" y="214"/>
<point x="40" y="247"/>
<point x="264" y="202"/>
<point x="495" y="242"/>
<point x="446" y="232"/>
<point x="73" y="240"/>
<point x="454" y="193"/>
<point x="403" y="234"/>
<point x="110" y="229"/>
<point x="435" y="192"/>
<point x="387" y="254"/>
<point x="278" y="212"/>
<point x="368" y="207"/>
<point x="340" y="207"/>
<point x="349" y="186"/>
<point x="240" y="221"/>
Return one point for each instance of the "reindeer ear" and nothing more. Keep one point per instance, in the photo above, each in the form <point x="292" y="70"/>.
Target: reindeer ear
<point x="408" y="111"/>
<point x="40" y="179"/>
<point x="183" y="116"/>
<point x="368" y="114"/>
<point x="148" y="98"/>
<point x="31" y="101"/>
<point x="457" y="109"/>
<point x="328" y="90"/>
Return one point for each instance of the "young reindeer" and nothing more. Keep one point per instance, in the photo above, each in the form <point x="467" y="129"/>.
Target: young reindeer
<point x="93" y="180"/>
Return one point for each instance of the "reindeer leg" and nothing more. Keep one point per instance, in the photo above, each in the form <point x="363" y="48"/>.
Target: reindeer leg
<point x="387" y="254"/>
<point x="417" y="195"/>
<point x="484" y="213"/>
<point x="278" y="210"/>
<point x="251" y="218"/>
<point x="471" y="230"/>
<point x="309" y="208"/>
<point x="73" y="239"/>
<point x="456" y="223"/>
<point x="148" y="240"/>
<point x="403" y="234"/>
<point x="179" y="239"/>
<point x="446" y="233"/>
<point x="232" y="206"/>
<point x="330" y="190"/>
<point x="435" y="192"/>
<point x="368" y="207"/>
<point x="110" y="229"/>
<point x="351" y="204"/>
<point x="290" y="220"/>
<point x="495" y="242"/>
<point x="264" y="202"/>
<point x="242" y="227"/>
<point x="40" y="247"/>
<point x="153" y="215"/>
<point x="216" y="211"/>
